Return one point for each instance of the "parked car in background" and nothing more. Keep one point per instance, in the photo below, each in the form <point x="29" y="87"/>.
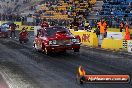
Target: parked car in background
<point x="4" y="30"/>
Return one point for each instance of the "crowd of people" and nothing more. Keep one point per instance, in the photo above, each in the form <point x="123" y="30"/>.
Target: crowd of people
<point x="78" y="22"/>
<point x="10" y="17"/>
<point x="70" y="10"/>
<point x="23" y="34"/>
<point x="116" y="11"/>
<point x="81" y="17"/>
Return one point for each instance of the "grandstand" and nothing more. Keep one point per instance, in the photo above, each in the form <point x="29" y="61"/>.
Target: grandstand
<point x="116" y="11"/>
<point x="113" y="11"/>
<point x="65" y="10"/>
<point x="14" y="5"/>
<point x="47" y="9"/>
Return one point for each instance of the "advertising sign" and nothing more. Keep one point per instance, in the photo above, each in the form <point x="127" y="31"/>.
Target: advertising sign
<point x="115" y="35"/>
<point x="129" y="46"/>
<point x="87" y="38"/>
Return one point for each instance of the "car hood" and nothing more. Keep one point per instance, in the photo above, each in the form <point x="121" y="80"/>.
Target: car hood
<point x="58" y="37"/>
<point x="61" y="37"/>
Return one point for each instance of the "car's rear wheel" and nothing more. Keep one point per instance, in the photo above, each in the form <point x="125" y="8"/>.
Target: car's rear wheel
<point x="76" y="50"/>
<point x="64" y="51"/>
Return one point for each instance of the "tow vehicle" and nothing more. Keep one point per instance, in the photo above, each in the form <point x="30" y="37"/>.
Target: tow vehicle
<point x="4" y="30"/>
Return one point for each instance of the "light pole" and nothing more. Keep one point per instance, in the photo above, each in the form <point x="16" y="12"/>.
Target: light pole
<point x="7" y="5"/>
<point x="6" y="13"/>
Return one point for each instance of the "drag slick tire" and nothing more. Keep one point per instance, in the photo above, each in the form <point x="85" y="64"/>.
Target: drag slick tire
<point x="76" y="50"/>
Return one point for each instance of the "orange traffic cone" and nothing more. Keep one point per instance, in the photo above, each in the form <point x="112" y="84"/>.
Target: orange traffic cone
<point x="127" y="33"/>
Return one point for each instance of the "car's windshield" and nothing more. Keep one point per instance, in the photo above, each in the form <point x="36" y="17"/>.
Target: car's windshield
<point x="53" y="30"/>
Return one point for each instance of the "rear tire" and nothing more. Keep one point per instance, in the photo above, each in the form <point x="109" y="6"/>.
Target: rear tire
<point x="76" y="50"/>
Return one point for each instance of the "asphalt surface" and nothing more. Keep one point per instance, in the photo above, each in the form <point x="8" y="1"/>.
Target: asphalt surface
<point x="23" y="67"/>
<point x="3" y="84"/>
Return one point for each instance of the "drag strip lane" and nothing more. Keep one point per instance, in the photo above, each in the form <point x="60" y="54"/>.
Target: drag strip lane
<point x="60" y="69"/>
<point x="3" y="83"/>
<point x="45" y="76"/>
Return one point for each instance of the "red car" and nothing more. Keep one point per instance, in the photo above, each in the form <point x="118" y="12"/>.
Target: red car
<point x="56" y="39"/>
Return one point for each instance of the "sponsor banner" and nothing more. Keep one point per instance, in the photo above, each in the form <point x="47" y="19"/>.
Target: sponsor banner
<point x="29" y="28"/>
<point x="87" y="38"/>
<point x="129" y="45"/>
<point x="112" y="44"/>
<point x="107" y="78"/>
<point x="115" y="35"/>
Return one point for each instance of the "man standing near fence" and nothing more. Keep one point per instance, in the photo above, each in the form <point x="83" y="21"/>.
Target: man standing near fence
<point x="13" y="29"/>
<point x="102" y="25"/>
<point x="121" y="26"/>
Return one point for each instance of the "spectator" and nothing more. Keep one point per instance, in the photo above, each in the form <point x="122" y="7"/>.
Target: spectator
<point x="121" y="26"/>
<point x="102" y="27"/>
<point x="86" y="24"/>
<point x="13" y="29"/>
<point x="75" y="24"/>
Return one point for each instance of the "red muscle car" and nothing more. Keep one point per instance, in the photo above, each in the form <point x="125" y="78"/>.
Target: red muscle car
<point x="56" y="39"/>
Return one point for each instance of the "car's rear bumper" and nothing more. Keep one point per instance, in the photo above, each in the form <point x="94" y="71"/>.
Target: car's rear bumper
<point x="57" y="48"/>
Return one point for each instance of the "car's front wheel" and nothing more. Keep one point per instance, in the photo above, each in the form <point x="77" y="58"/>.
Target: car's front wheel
<point x="47" y="52"/>
<point x="36" y="47"/>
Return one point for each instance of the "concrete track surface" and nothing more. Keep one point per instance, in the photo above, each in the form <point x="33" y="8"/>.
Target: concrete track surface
<point x="23" y="67"/>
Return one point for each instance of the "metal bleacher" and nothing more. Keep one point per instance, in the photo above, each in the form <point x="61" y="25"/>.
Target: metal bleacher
<point x="121" y="9"/>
